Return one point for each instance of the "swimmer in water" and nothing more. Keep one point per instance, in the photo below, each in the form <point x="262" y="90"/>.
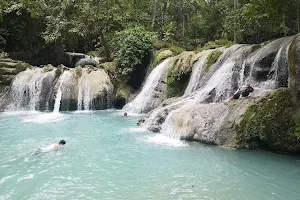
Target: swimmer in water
<point x="52" y="147"/>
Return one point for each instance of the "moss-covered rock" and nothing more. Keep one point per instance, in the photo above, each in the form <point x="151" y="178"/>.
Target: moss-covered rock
<point x="294" y="68"/>
<point x="9" y="68"/>
<point x="78" y="72"/>
<point x="122" y="90"/>
<point x="160" y="56"/>
<point x="255" y="47"/>
<point x="272" y="123"/>
<point x="212" y="58"/>
<point x="123" y="93"/>
<point x="179" y="76"/>
<point x="48" y="68"/>
<point x="215" y="44"/>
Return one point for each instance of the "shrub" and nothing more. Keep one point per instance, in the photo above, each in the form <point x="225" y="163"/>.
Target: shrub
<point x="134" y="46"/>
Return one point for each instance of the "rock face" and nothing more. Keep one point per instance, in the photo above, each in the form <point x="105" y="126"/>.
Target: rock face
<point x="294" y="68"/>
<point x="95" y="90"/>
<point x="8" y="69"/>
<point x="153" y="91"/>
<point x="37" y="88"/>
<point x="207" y="123"/>
<point x="268" y="119"/>
<point x="271" y="123"/>
<point x="86" y="61"/>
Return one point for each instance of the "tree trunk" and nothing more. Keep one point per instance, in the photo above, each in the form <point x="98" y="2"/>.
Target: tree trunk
<point x="298" y="20"/>
<point x="154" y="15"/>
<point x="106" y="47"/>
<point x="234" y="31"/>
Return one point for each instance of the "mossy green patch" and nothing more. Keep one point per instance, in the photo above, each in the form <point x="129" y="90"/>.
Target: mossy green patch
<point x="215" y="44"/>
<point x="255" y="47"/>
<point x="94" y="53"/>
<point x="293" y="63"/>
<point x="21" y="66"/>
<point x="160" y="56"/>
<point x="271" y="124"/>
<point x="58" y="72"/>
<point x="78" y="71"/>
<point x="212" y="58"/>
<point x="48" y="68"/>
<point x="179" y="76"/>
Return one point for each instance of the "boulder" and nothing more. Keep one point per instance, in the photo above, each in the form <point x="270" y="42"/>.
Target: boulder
<point x="271" y="122"/>
<point x="9" y="68"/>
<point x="86" y="61"/>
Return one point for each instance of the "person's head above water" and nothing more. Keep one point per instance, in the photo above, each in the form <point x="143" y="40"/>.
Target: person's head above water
<point x="62" y="142"/>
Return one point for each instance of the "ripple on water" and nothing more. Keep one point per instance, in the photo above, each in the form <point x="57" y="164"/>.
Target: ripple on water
<point x="107" y="158"/>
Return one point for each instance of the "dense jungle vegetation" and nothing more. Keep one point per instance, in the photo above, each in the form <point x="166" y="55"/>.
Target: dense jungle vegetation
<point x="37" y="31"/>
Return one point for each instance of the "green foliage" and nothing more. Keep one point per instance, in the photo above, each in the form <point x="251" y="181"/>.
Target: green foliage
<point x="176" y="50"/>
<point x="92" y="26"/>
<point x="212" y="58"/>
<point x="297" y="129"/>
<point x="94" y="53"/>
<point x="162" y="45"/>
<point x="134" y="44"/>
<point x="159" y="45"/>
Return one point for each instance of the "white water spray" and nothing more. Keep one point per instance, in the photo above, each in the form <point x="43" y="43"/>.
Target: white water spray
<point x="57" y="100"/>
<point x="154" y="90"/>
<point x="84" y="92"/>
<point x="198" y="70"/>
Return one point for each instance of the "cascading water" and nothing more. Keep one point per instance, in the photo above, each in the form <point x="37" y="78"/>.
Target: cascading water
<point x="153" y="92"/>
<point x="95" y="90"/>
<point x="65" y="90"/>
<point x="198" y="70"/>
<point x="84" y="93"/>
<point x="57" y="100"/>
<point x="29" y="89"/>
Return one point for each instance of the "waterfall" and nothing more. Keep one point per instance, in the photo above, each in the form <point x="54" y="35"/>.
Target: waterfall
<point x="30" y="88"/>
<point x="219" y="87"/>
<point x="57" y="100"/>
<point x="153" y="92"/>
<point x="66" y="92"/>
<point x="197" y="72"/>
<point x="84" y="92"/>
<point x="242" y="75"/>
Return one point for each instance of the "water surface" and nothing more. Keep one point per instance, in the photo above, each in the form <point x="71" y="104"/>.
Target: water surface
<point x="108" y="157"/>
